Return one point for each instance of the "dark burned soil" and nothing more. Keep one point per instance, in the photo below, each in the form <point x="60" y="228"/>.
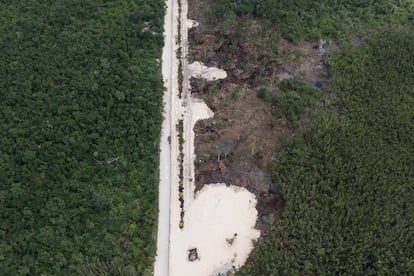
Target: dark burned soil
<point x="237" y="145"/>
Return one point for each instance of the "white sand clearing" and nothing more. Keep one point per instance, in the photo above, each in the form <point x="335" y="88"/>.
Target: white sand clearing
<point x="199" y="70"/>
<point x="220" y="224"/>
<point x="192" y="23"/>
<point x="198" y="110"/>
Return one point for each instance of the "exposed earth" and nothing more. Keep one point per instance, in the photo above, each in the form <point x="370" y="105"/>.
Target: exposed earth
<point x="236" y="145"/>
<point x="205" y="220"/>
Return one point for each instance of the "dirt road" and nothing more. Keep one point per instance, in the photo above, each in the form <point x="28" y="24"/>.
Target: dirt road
<point x="168" y="143"/>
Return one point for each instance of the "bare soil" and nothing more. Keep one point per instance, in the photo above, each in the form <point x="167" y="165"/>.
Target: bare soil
<point x="237" y="145"/>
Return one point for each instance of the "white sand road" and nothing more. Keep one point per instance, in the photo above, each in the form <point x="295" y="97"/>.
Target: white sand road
<point x="167" y="145"/>
<point x="216" y="214"/>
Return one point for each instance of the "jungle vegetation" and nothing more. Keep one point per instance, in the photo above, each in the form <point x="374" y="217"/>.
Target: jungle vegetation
<point x="293" y="97"/>
<point x="311" y="20"/>
<point x="80" y="118"/>
<point x="347" y="173"/>
<point x="347" y="176"/>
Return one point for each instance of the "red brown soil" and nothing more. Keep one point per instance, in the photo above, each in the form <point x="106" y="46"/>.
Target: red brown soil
<point x="237" y="145"/>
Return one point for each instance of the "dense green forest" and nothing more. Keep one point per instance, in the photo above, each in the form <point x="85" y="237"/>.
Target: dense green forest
<point x="347" y="177"/>
<point x="294" y="97"/>
<point x="306" y="19"/>
<point x="80" y="117"/>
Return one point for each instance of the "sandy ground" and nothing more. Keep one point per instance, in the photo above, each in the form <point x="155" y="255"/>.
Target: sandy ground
<point x="211" y="221"/>
<point x="199" y="70"/>
<point x="198" y="110"/>
<point x="168" y="149"/>
<point x="219" y="220"/>
<point x="191" y="23"/>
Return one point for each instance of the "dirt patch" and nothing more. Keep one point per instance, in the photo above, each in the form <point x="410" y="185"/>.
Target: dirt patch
<point x="237" y="145"/>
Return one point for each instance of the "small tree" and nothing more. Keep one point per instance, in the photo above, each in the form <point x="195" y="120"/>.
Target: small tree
<point x="262" y="93"/>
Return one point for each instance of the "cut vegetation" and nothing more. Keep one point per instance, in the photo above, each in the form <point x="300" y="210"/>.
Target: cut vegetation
<point x="316" y="118"/>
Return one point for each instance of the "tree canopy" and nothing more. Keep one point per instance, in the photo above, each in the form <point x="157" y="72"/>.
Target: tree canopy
<point x="306" y="19"/>
<point x="80" y="116"/>
<point x="347" y="176"/>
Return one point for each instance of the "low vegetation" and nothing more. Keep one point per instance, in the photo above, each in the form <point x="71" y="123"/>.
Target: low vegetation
<point x="80" y="116"/>
<point x="180" y="131"/>
<point x="294" y="98"/>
